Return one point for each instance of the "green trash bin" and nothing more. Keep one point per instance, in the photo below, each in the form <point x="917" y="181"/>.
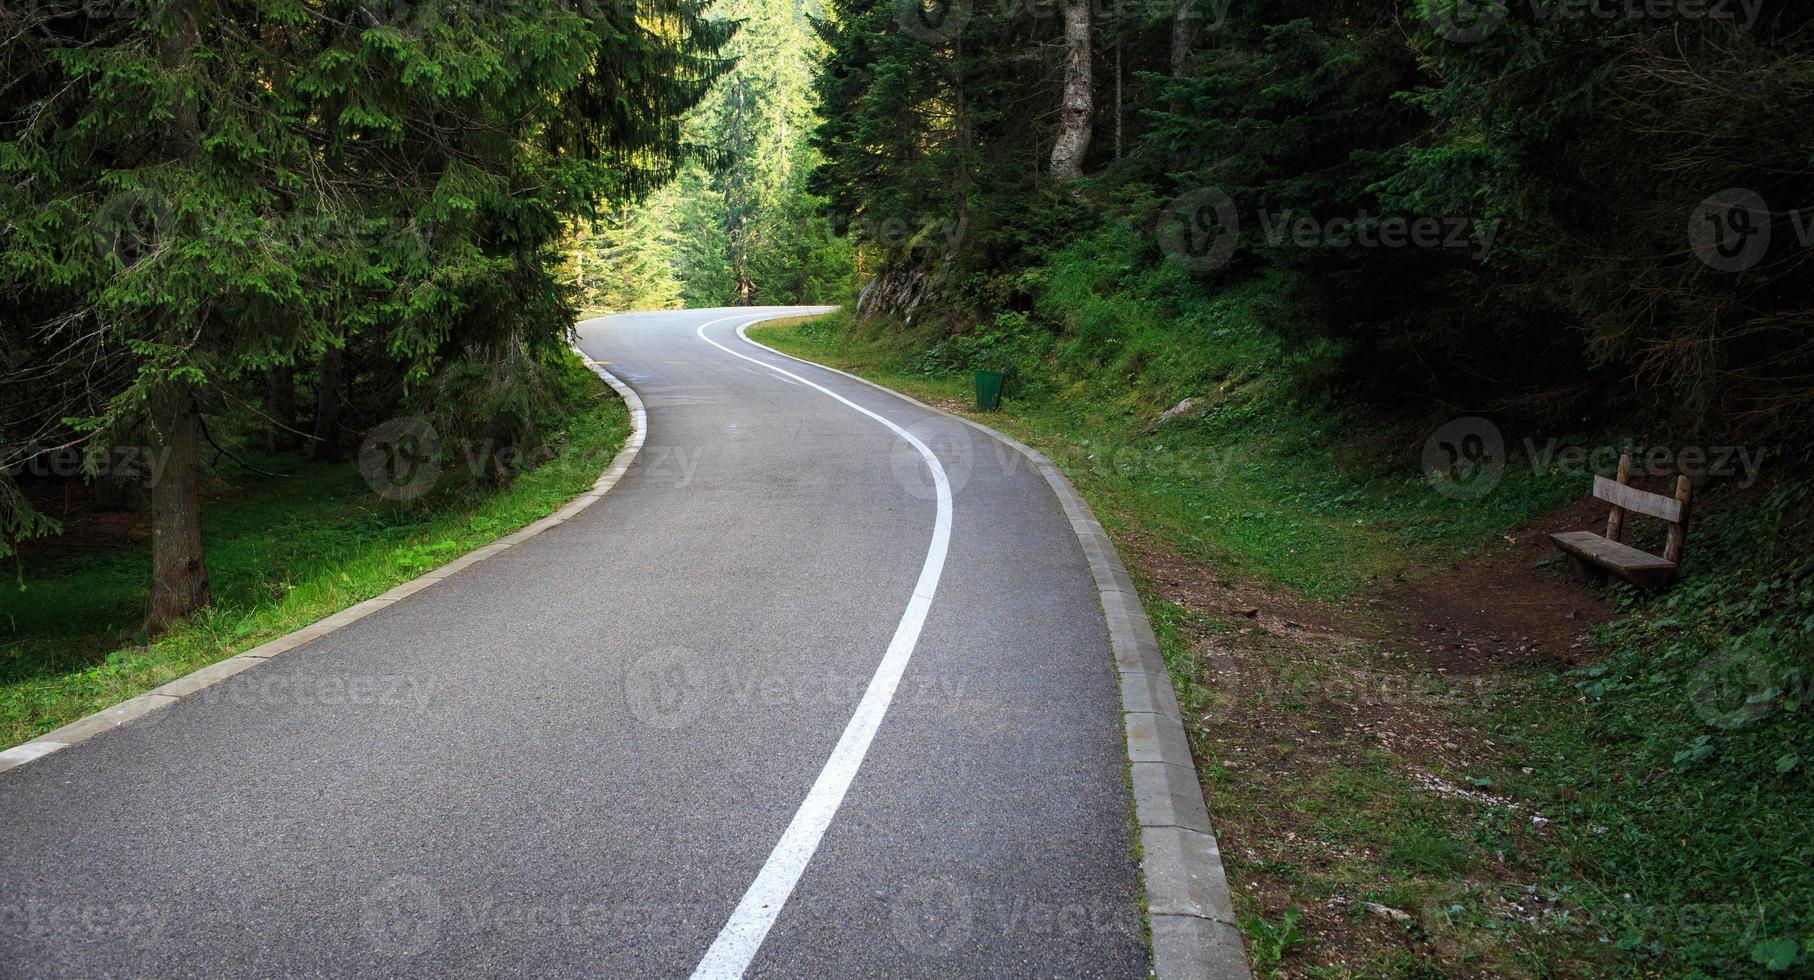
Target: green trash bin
<point x="988" y="390"/>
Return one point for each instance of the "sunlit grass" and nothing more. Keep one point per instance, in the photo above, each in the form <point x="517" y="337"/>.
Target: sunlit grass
<point x="282" y="553"/>
<point x="1270" y="495"/>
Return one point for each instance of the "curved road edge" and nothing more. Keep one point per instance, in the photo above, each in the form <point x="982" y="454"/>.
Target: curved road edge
<point x="107" y="719"/>
<point x="1188" y="906"/>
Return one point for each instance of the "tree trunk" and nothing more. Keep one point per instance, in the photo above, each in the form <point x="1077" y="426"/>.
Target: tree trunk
<point x="280" y="405"/>
<point x="1074" y="113"/>
<point x="1117" y="98"/>
<point x="1184" y="33"/>
<point x="965" y="142"/>
<point x="327" y="404"/>
<point x="179" y="573"/>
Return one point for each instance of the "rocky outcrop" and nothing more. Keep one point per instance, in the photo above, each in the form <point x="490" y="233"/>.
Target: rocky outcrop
<point x="896" y="291"/>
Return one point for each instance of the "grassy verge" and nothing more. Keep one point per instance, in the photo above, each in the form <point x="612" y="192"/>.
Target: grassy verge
<point x="281" y="554"/>
<point x="1261" y="491"/>
<point x="1388" y="806"/>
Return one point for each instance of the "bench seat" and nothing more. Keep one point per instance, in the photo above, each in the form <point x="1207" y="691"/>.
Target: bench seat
<point x="1640" y="568"/>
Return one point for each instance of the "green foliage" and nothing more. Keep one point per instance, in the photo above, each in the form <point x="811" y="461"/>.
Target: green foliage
<point x="197" y="195"/>
<point x="1558" y="166"/>
<point x="934" y="124"/>
<point x="1776" y="955"/>
<point x="1273" y="941"/>
<point x="18" y="521"/>
<point x="739" y="225"/>
<point x="1685" y="787"/>
<point x="1596" y="144"/>
<point x="623" y="260"/>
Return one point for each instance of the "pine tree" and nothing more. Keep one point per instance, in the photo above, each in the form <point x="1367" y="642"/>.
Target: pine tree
<point x="394" y="173"/>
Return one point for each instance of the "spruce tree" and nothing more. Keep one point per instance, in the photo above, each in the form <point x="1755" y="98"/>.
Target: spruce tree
<point x="203" y="191"/>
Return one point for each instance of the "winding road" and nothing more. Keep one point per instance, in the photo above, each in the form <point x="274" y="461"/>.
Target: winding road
<point x="823" y="687"/>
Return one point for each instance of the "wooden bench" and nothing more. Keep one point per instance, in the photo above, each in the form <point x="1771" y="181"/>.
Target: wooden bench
<point x="1595" y="555"/>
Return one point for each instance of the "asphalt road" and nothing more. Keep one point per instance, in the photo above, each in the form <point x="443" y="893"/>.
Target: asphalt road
<point x="578" y="757"/>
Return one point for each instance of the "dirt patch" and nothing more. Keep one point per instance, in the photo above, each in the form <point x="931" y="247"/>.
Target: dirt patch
<point x="1208" y="591"/>
<point x="1316" y="745"/>
<point x="1343" y="755"/>
<point x="1376" y="671"/>
<point x="1514" y="602"/>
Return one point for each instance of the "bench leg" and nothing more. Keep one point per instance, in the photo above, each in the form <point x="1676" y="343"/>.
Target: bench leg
<point x="1583" y="570"/>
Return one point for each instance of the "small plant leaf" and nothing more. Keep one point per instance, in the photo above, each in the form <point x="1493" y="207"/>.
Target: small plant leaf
<point x="1775" y="955"/>
<point x="1701" y="749"/>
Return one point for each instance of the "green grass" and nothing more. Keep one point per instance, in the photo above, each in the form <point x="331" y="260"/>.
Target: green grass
<point x="1677" y="765"/>
<point x="1672" y="786"/>
<point x="281" y="554"/>
<point x="1258" y="487"/>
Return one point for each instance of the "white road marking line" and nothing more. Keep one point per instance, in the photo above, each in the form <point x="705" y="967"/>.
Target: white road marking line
<point x="737" y="943"/>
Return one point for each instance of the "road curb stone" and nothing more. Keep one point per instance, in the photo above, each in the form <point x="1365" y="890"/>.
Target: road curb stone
<point x="1168" y="796"/>
<point x="1197" y="947"/>
<point x="1184" y="874"/>
<point x="1149" y="693"/>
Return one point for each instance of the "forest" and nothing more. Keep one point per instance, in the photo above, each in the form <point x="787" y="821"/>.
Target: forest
<point x="1562" y="216"/>
<point x="206" y="202"/>
<point x="1235" y="260"/>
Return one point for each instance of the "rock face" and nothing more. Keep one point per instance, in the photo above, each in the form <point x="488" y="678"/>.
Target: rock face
<point x="1188" y="408"/>
<point x="896" y="291"/>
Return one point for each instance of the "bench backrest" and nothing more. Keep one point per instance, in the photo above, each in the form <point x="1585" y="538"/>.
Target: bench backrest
<point x="1624" y="497"/>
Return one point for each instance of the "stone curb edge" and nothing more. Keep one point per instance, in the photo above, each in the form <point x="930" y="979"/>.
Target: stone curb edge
<point x="1194" y="933"/>
<point x="108" y="719"/>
